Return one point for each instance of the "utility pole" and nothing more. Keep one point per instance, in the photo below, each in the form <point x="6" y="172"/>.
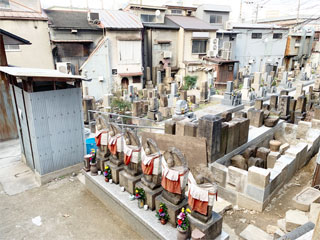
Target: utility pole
<point x="240" y="16"/>
<point x="257" y="11"/>
<point x="298" y="11"/>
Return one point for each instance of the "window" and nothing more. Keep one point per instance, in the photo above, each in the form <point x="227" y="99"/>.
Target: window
<point x="165" y="46"/>
<point x="136" y="79"/>
<point x="129" y="52"/>
<point x="230" y="68"/>
<point x="12" y="48"/>
<point x="277" y="36"/>
<point x="215" y="19"/>
<point x="199" y="46"/>
<point x="256" y="35"/>
<point x="176" y="11"/>
<point x="4" y="4"/>
<point x="147" y="18"/>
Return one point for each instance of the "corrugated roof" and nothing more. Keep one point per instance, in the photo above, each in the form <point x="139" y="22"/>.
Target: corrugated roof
<point x="191" y="23"/>
<point x="37" y="72"/>
<point x="216" y="8"/>
<point x="115" y="19"/>
<point x="68" y="19"/>
<point x="11" y="39"/>
<point x="257" y="26"/>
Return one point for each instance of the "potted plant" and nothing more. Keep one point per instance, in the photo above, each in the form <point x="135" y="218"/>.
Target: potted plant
<point x="93" y="163"/>
<point x="141" y="196"/>
<point x="162" y="214"/>
<point x="183" y="223"/>
<point x="107" y="173"/>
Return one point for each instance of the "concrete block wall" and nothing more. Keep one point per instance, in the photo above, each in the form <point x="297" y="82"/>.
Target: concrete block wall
<point x="255" y="188"/>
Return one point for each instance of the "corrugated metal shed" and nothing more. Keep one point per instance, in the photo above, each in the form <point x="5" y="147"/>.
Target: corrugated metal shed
<point x="36" y="72"/>
<point x="191" y="23"/>
<point x="113" y="19"/>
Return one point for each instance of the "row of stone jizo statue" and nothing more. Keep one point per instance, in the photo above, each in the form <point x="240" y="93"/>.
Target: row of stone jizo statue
<point x="163" y="176"/>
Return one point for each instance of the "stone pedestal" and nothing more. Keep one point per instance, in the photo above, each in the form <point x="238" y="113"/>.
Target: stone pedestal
<point x="211" y="229"/>
<point x="150" y="195"/>
<point x="115" y="171"/>
<point x="128" y="181"/>
<point x="173" y="210"/>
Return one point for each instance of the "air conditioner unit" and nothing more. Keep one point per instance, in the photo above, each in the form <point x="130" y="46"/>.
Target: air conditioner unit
<point x="228" y="25"/>
<point x="167" y="54"/>
<point x="65" y="67"/>
<point x="92" y="17"/>
<point x="227" y="46"/>
<point x="226" y="55"/>
<point x="211" y="53"/>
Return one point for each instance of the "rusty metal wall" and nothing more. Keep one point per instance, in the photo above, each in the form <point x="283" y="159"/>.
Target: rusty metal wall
<point x="8" y="128"/>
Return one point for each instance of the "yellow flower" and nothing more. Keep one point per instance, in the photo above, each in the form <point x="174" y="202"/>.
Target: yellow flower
<point x="137" y="191"/>
<point x="106" y="167"/>
<point x="188" y="210"/>
<point x="182" y="210"/>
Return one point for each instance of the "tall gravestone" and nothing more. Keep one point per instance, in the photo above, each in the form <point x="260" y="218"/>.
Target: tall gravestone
<point x="210" y="128"/>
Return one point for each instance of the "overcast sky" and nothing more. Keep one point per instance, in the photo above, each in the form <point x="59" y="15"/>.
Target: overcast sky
<point x="267" y="8"/>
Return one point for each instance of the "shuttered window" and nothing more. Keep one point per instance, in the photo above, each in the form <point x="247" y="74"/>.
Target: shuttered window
<point x="129" y="52"/>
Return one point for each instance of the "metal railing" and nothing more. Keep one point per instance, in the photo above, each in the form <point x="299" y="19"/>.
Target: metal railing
<point x="119" y="119"/>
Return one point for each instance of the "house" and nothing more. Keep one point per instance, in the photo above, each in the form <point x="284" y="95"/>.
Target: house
<point x="73" y="37"/>
<point x="300" y="38"/>
<point x="298" y="48"/>
<point x="160" y="38"/>
<point x="260" y="47"/>
<point x="180" y="10"/>
<point x="116" y="62"/>
<point x="25" y="19"/>
<point x="194" y="41"/>
<point x="216" y="15"/>
<point x="8" y="127"/>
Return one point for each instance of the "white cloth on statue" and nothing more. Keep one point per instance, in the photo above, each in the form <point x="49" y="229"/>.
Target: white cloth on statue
<point x="119" y="143"/>
<point x="204" y="192"/>
<point x="146" y="159"/>
<point x="156" y="166"/>
<point x="174" y="173"/>
<point x="133" y="151"/>
<point x="104" y="139"/>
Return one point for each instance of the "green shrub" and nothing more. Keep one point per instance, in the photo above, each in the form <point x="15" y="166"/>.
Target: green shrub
<point x="190" y="81"/>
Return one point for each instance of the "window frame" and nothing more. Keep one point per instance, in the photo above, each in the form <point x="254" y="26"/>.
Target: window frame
<point x="256" y="35"/>
<point x="277" y="34"/>
<point x="205" y="41"/>
<point x="12" y="48"/>
<point x="177" y="12"/>
<point x="4" y="4"/>
<point x="216" y="17"/>
<point x="148" y="16"/>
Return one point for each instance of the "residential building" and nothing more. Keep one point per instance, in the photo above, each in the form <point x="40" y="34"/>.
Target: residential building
<point x="194" y="41"/>
<point x="116" y="62"/>
<point x="160" y="38"/>
<point x="298" y="48"/>
<point x="73" y="37"/>
<point x="216" y="15"/>
<point x="261" y="47"/>
<point x="25" y="19"/>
